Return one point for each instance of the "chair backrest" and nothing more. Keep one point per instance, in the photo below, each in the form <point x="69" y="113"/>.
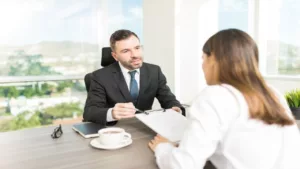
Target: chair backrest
<point x="106" y="60"/>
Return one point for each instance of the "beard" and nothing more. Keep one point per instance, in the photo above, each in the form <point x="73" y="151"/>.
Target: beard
<point x="132" y="64"/>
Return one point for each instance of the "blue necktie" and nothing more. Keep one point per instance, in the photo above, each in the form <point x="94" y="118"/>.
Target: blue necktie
<point x="134" y="91"/>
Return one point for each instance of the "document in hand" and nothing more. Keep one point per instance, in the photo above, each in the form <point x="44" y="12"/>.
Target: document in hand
<point x="169" y="124"/>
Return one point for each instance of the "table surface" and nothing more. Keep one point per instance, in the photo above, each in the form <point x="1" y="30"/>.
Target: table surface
<point x="35" y="149"/>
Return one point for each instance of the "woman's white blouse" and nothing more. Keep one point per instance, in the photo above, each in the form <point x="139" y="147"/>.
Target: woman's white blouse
<point x="221" y="131"/>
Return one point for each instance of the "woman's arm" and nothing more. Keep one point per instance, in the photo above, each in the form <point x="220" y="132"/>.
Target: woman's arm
<point x="199" y="142"/>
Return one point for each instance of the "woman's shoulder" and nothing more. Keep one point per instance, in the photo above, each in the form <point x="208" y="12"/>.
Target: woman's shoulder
<point x="213" y="90"/>
<point x="227" y="95"/>
<point x="281" y="99"/>
<point x="278" y="94"/>
<point x="221" y="101"/>
<point x="219" y="96"/>
<point x="218" y="91"/>
<point x="275" y="91"/>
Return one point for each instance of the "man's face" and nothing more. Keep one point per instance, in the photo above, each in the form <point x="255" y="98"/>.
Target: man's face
<point x="129" y="53"/>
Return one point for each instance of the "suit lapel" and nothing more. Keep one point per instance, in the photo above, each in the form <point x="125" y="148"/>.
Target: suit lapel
<point x="144" y="81"/>
<point x="120" y="81"/>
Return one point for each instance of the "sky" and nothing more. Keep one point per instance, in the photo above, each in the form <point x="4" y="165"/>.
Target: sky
<point x="33" y="21"/>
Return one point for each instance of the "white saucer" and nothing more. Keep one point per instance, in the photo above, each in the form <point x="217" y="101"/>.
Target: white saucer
<point x="95" y="143"/>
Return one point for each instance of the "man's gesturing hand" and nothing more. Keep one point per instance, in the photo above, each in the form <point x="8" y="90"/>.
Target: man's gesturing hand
<point x="123" y="111"/>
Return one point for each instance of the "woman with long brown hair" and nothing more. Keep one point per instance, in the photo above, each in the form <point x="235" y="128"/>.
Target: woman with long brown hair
<point x="237" y="121"/>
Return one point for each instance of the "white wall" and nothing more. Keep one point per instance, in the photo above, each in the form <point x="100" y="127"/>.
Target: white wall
<point x="172" y="31"/>
<point x="191" y="33"/>
<point x="159" y="40"/>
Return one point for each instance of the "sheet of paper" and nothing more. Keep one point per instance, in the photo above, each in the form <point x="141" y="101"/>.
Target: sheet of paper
<point x="169" y="124"/>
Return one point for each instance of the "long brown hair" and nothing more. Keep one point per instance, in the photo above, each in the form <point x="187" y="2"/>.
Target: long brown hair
<point x="237" y="56"/>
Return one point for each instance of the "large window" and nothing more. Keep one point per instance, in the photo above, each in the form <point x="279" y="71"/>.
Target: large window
<point x="274" y="25"/>
<point x="279" y="36"/>
<point x="46" y="48"/>
<point x="48" y="37"/>
<point x="233" y="14"/>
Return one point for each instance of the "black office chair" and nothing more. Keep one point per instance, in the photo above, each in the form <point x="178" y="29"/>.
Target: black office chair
<point x="106" y="60"/>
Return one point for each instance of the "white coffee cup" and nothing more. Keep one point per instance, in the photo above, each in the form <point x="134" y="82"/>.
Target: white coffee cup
<point x="113" y="136"/>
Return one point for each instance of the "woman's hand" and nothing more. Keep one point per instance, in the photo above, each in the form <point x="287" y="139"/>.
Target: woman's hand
<point x="157" y="140"/>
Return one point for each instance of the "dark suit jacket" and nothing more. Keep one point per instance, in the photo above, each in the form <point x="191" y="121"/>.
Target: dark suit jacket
<point x="108" y="87"/>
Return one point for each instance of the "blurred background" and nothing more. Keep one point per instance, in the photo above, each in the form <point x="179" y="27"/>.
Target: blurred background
<point x="47" y="47"/>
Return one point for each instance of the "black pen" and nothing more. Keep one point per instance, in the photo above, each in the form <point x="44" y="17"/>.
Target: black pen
<point x="141" y="111"/>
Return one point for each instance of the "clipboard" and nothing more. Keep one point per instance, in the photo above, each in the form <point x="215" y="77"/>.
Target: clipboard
<point x="166" y="122"/>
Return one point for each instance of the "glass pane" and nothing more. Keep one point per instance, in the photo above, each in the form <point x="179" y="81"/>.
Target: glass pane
<point x="283" y="40"/>
<point x="289" y="38"/>
<point x="61" y="37"/>
<point x="33" y="104"/>
<point x="58" y="40"/>
<point x="48" y="37"/>
<point x="233" y="14"/>
<point x="122" y="14"/>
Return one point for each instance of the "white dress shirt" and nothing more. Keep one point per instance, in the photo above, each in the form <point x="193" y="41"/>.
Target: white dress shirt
<point x="221" y="131"/>
<point x="127" y="78"/>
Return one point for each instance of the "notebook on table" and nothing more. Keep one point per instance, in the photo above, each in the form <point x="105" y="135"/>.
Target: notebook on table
<point x="168" y="123"/>
<point x="88" y="130"/>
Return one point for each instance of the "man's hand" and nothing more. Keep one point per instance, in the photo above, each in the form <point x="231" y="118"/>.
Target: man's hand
<point x="177" y="109"/>
<point x="123" y="111"/>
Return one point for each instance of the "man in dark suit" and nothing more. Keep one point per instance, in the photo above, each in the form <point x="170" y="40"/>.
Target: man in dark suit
<point x="118" y="89"/>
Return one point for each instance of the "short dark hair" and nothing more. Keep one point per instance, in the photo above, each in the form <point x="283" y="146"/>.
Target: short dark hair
<point x="120" y="35"/>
